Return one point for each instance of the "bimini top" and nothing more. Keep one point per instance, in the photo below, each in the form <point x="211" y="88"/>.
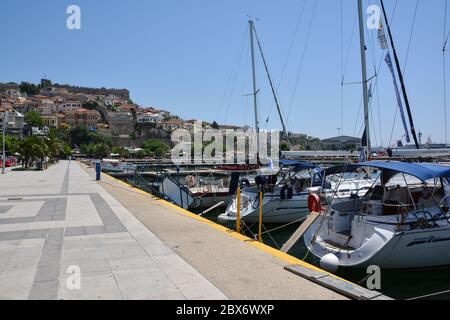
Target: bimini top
<point x="422" y="171"/>
<point x="298" y="165"/>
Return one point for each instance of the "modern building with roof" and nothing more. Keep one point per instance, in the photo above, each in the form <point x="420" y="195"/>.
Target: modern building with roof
<point x="341" y="143"/>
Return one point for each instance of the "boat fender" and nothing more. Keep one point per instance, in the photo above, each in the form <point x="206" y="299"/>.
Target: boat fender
<point x="314" y="203"/>
<point x="329" y="262"/>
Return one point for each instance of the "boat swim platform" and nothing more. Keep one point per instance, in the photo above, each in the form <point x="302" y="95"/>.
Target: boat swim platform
<point x="64" y="235"/>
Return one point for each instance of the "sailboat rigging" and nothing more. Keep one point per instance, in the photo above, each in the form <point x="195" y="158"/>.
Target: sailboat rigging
<point x="400" y="75"/>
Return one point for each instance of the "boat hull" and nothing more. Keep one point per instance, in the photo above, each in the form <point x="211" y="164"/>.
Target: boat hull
<point x="388" y="249"/>
<point x="274" y="210"/>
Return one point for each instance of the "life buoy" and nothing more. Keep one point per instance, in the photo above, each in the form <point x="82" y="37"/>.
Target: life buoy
<point x="190" y="181"/>
<point x="314" y="203"/>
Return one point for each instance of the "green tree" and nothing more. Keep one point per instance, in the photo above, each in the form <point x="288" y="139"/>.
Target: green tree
<point x="34" y="119"/>
<point x="96" y="150"/>
<point x="121" y="151"/>
<point x="11" y="144"/>
<point x="81" y="135"/>
<point x="32" y="148"/>
<point x="142" y="153"/>
<point x="157" y="147"/>
<point x="65" y="151"/>
<point x="102" y="150"/>
<point x="54" y="147"/>
<point x="29" y="88"/>
<point x="90" y="105"/>
<point x="284" y="146"/>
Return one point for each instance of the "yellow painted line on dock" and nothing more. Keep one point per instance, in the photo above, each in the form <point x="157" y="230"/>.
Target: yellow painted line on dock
<point x="263" y="247"/>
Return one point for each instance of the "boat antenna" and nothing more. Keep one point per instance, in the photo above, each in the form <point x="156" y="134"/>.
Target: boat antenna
<point x="400" y="75"/>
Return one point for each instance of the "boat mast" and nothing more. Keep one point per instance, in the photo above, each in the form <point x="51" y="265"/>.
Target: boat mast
<point x="274" y="93"/>
<point x="400" y="75"/>
<point x="364" y="75"/>
<point x="255" y="91"/>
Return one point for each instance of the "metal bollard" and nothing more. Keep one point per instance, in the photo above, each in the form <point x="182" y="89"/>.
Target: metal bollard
<point x="98" y="170"/>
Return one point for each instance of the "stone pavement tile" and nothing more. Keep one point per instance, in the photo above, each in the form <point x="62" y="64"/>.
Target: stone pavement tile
<point x="131" y="262"/>
<point x="5" y="209"/>
<point x="5" y="255"/>
<point x="114" y="237"/>
<point x="36" y="234"/>
<point x="192" y="284"/>
<point x="74" y="231"/>
<point x="91" y="230"/>
<point x="167" y="294"/>
<point x="123" y="248"/>
<point x="12" y="235"/>
<point x="22" y="209"/>
<point x="90" y="262"/>
<point x="147" y="283"/>
<point x="46" y="277"/>
<point x="81" y="210"/>
<point x="16" y="220"/>
<point x="92" y="287"/>
<point x="16" y="227"/>
<point x="9" y="244"/>
<point x="200" y="290"/>
<point x="108" y="217"/>
<point x="154" y="246"/>
<point x="44" y="290"/>
<point x="25" y="257"/>
<point x="82" y="243"/>
<point x="15" y="284"/>
<point x="52" y="210"/>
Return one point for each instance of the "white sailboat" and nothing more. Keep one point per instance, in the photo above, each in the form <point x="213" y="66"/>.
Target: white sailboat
<point x="286" y="200"/>
<point x="285" y="195"/>
<point x="402" y="222"/>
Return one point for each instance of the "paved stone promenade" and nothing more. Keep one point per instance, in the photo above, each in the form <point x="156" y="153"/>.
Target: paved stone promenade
<point x="57" y="222"/>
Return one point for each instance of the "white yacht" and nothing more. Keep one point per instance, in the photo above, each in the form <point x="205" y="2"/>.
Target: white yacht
<point x="403" y="221"/>
<point x="286" y="200"/>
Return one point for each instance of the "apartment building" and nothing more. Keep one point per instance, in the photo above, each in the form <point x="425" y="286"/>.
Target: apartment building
<point x="82" y="118"/>
<point x="69" y="105"/>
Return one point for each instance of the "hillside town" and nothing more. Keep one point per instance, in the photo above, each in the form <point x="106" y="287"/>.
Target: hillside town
<point x="96" y="122"/>
<point x="109" y="112"/>
<point x="99" y="121"/>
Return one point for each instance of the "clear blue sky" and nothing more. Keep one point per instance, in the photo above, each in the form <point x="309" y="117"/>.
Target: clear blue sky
<point x="179" y="55"/>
